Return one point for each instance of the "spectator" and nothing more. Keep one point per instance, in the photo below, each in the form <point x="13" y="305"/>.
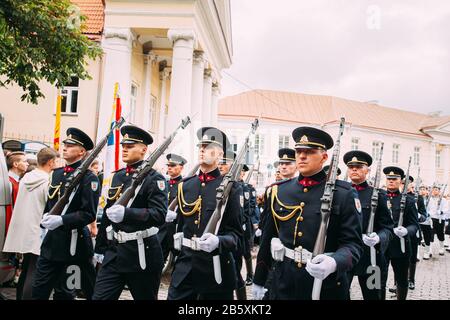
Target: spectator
<point x="24" y="236"/>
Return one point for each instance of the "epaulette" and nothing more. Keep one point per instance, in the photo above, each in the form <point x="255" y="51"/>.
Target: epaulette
<point x="276" y="183"/>
<point x="187" y="178"/>
<point x="118" y="170"/>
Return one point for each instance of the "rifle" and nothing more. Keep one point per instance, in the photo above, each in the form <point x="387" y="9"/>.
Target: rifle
<point x="418" y="183"/>
<point x="374" y="204"/>
<point x="74" y="180"/>
<point x="325" y="208"/>
<point x="250" y="173"/>
<point x="222" y="196"/>
<point x="127" y="197"/>
<point x="191" y="173"/>
<point x="439" y="202"/>
<point x="403" y="205"/>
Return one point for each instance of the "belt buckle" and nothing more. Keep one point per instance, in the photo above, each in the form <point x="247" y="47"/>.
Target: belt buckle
<point x="298" y="254"/>
<point x="139" y="235"/>
<point x="194" y="244"/>
<point x="306" y="255"/>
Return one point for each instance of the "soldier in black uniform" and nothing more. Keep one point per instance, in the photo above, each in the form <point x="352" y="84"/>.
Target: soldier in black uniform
<point x="415" y="239"/>
<point x="132" y="253"/>
<point x="286" y="163"/>
<point x="399" y="259"/>
<point x="194" y="275"/>
<point x="175" y="165"/>
<point x="67" y="250"/>
<point x="358" y="163"/>
<point x="291" y="228"/>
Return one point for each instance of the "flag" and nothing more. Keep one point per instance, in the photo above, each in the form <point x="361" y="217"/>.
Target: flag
<point x="57" y="122"/>
<point x="111" y="162"/>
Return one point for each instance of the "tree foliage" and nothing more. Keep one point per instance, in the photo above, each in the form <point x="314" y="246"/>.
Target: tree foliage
<point x="42" y="40"/>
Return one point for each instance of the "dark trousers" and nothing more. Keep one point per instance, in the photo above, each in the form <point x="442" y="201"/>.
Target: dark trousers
<point x="186" y="291"/>
<point x="438" y="228"/>
<point x="401" y="267"/>
<point x="238" y="263"/>
<point x="55" y="275"/>
<point x="427" y="233"/>
<point x="26" y="276"/>
<point x="368" y="294"/>
<point x="110" y="283"/>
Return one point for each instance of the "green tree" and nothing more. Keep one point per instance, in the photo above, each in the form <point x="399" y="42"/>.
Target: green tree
<point x="42" y="40"/>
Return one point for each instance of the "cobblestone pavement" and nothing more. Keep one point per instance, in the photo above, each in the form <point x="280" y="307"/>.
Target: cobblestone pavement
<point x="432" y="281"/>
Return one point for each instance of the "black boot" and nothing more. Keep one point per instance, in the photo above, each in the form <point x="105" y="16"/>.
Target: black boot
<point x="383" y="294"/>
<point x="412" y="276"/>
<point x="241" y="293"/>
<point x="393" y="289"/>
<point x="249" y="267"/>
<point x="402" y="293"/>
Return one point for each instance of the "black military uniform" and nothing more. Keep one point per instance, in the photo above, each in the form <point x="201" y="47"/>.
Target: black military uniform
<point x="394" y="255"/>
<point x="69" y="245"/>
<point x="193" y="275"/>
<point x="167" y="230"/>
<point x="132" y="253"/>
<point x="383" y="226"/>
<point x="294" y="206"/>
<point x="415" y="240"/>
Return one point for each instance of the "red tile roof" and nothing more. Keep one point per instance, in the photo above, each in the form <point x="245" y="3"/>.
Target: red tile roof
<point x="319" y="110"/>
<point x="95" y="13"/>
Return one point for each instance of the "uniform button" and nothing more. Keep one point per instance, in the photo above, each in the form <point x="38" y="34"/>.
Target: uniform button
<point x="127" y="174"/>
<point x="338" y="283"/>
<point x="299" y="264"/>
<point x="302" y="204"/>
<point x="65" y="173"/>
<point x="196" y="221"/>
<point x="305" y="190"/>
<point x="300" y="234"/>
<point x="301" y="218"/>
<point x="203" y="184"/>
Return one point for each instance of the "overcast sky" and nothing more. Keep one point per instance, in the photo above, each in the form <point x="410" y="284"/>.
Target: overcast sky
<point x="396" y="52"/>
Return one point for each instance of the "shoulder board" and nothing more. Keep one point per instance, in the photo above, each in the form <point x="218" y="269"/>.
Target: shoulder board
<point x="187" y="178"/>
<point x="118" y="170"/>
<point x="343" y="184"/>
<point x="280" y="182"/>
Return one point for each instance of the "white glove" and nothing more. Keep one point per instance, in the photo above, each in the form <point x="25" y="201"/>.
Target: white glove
<point x="116" y="213"/>
<point x="258" y="292"/>
<point x="258" y="233"/>
<point x="321" y="266"/>
<point x="371" y="240"/>
<point x="98" y="258"/>
<point x="51" y="222"/>
<point x="208" y="242"/>
<point x="400" y="231"/>
<point x="171" y="215"/>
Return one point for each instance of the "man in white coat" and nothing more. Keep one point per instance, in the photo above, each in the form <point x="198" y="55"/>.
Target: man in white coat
<point x="24" y="234"/>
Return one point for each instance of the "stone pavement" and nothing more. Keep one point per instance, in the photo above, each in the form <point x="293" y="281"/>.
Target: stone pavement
<point x="432" y="281"/>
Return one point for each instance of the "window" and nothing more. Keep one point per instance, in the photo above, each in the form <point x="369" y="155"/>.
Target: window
<point x="133" y="101"/>
<point x="395" y="151"/>
<point x="355" y="143"/>
<point x="438" y="159"/>
<point x="283" y="141"/>
<point x="69" y="97"/>
<point x="417" y="156"/>
<point x="259" y="144"/>
<point x="376" y="150"/>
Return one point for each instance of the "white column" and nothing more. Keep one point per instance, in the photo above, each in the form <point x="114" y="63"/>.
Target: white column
<point x="164" y="75"/>
<point x="215" y="92"/>
<point x="117" y="47"/>
<point x="198" y="69"/>
<point x="206" y="106"/>
<point x="180" y="85"/>
<point x="433" y="163"/>
<point x="148" y="65"/>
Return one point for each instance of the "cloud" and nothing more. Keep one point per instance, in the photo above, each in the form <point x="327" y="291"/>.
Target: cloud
<point x="393" y="52"/>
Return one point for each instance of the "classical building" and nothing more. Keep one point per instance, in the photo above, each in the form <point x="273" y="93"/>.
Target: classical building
<point x="425" y="138"/>
<point x="167" y="57"/>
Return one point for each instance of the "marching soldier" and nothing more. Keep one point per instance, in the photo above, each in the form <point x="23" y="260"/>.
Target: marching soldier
<point x="132" y="254"/>
<point x="425" y="226"/>
<point x="286" y="162"/>
<point x="195" y="276"/>
<point x="175" y="165"/>
<point x="409" y="228"/>
<point x="358" y="163"/>
<point x="68" y="242"/>
<point x="437" y="208"/>
<point x="290" y="232"/>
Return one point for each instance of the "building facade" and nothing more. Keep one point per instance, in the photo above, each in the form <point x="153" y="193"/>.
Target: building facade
<point x="167" y="57"/>
<point x="424" y="138"/>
